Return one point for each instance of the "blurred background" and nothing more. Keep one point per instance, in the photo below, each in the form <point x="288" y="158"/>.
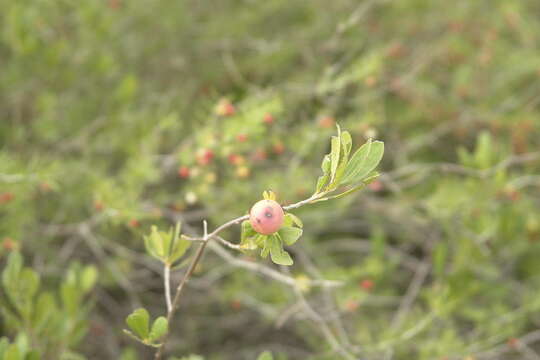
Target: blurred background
<point x="117" y="115"/>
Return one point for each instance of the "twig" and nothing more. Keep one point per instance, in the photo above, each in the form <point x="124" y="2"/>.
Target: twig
<point x="177" y="296"/>
<point x="167" y="282"/>
<point x="410" y="296"/>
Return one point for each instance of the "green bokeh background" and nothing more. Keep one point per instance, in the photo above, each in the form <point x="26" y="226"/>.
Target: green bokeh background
<point x="101" y="103"/>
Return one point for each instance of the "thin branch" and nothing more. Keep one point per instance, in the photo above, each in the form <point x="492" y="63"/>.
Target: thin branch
<point x="267" y="271"/>
<point x="177" y="296"/>
<point x="167" y="282"/>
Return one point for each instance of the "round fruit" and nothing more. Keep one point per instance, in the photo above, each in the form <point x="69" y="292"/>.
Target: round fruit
<point x="266" y="217"/>
<point x="183" y="172"/>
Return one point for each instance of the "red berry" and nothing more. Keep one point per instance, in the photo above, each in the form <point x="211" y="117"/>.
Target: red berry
<point x="260" y="155"/>
<point x="241" y="137"/>
<point x="225" y="108"/>
<point x="513" y="342"/>
<point x="9" y="244"/>
<point x="134" y="223"/>
<point x="366" y="285"/>
<point x="279" y="148"/>
<point x="45" y="187"/>
<point x="6" y="197"/>
<point x="115" y="4"/>
<point x="266" y="217"/>
<point x="268" y="118"/>
<point x="327" y="122"/>
<point x="351" y="305"/>
<point x="236" y="304"/>
<point x="183" y="172"/>
<point x="205" y="156"/>
<point x="376" y="185"/>
<point x="98" y="205"/>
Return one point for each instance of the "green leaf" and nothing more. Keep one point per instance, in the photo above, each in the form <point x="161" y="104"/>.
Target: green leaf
<point x="28" y="283"/>
<point x="364" y="183"/>
<point x="295" y="219"/>
<point x="22" y="343"/>
<point x="439" y="258"/>
<point x="159" y="329"/>
<point x="10" y="275"/>
<point x="363" y="162"/>
<point x="247" y="237"/>
<point x="4" y="343"/>
<point x="326" y="164"/>
<point x="179" y="249"/>
<point x="266" y="248"/>
<point x="71" y="297"/>
<point x="32" y="355"/>
<point x="88" y="278"/>
<point x="346" y="143"/>
<point x="334" y="156"/>
<point x="290" y="235"/>
<point x="45" y="309"/>
<point x="321" y="182"/>
<point x="151" y="243"/>
<point x="12" y="353"/>
<point x="138" y="322"/>
<point x="267" y="355"/>
<point x="277" y="254"/>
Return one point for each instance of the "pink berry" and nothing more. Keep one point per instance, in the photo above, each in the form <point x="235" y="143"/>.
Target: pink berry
<point x="266" y="217"/>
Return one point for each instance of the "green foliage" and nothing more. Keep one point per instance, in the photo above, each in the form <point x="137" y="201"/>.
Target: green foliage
<point x="265" y="356"/>
<point x="339" y="170"/>
<point x="27" y="311"/>
<point x="116" y="116"/>
<point x="167" y="247"/>
<point x="139" y="324"/>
